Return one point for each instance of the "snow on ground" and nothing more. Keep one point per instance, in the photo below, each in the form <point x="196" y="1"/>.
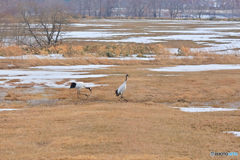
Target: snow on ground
<point x="133" y="57"/>
<point x="73" y="68"/>
<point x="196" y="68"/>
<point x="1" y="110"/>
<point x="218" y="36"/>
<point x="48" y="76"/>
<point x="87" y="25"/>
<point x="87" y="34"/>
<point x="207" y="109"/>
<point x="60" y="56"/>
<point x="50" y="56"/>
<point x="236" y="133"/>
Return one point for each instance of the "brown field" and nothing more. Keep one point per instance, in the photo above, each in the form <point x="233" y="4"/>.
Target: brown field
<point x="54" y="124"/>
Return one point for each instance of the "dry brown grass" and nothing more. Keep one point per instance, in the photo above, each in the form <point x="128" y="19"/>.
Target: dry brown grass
<point x="18" y="94"/>
<point x="161" y="60"/>
<point x="115" y="131"/>
<point x="102" y="127"/>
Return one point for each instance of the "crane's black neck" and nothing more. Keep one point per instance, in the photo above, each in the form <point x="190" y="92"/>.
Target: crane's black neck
<point x="126" y="78"/>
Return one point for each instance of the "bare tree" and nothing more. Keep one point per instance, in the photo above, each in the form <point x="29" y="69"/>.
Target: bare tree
<point x="153" y="4"/>
<point x="100" y="6"/>
<point x="173" y="7"/>
<point x="109" y="5"/>
<point x="138" y="7"/>
<point x="44" y="22"/>
<point x="4" y="22"/>
<point x="199" y="7"/>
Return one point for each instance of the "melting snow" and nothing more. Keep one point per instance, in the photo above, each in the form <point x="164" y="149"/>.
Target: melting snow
<point x="48" y="76"/>
<point x="50" y="56"/>
<point x="197" y="68"/>
<point x="186" y="109"/>
<point x="1" y="110"/>
<point x="237" y="134"/>
<point x="205" y="109"/>
<point x="87" y="34"/>
<point x="216" y="35"/>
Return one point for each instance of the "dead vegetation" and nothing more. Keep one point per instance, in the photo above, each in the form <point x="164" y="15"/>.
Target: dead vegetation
<point x="59" y="126"/>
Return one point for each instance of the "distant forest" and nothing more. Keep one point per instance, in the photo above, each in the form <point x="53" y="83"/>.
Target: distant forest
<point x="136" y="8"/>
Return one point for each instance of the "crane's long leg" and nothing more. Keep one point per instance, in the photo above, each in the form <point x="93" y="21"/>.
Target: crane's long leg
<point x="78" y="93"/>
<point x="123" y="98"/>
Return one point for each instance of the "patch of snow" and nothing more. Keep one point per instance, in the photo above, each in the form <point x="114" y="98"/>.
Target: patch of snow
<point x="87" y="25"/>
<point x="1" y="110"/>
<point x="237" y="134"/>
<point x="73" y="68"/>
<point x="214" y="34"/>
<point x="139" y="39"/>
<point x="85" y="34"/>
<point x="48" y="76"/>
<point x="192" y="110"/>
<point x="197" y="68"/>
<point x="166" y="75"/>
<point x="50" y="56"/>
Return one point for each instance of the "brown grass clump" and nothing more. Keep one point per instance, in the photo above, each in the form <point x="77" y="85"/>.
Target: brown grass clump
<point x="79" y="51"/>
<point x="18" y="95"/>
<point x="89" y="54"/>
<point x="11" y="51"/>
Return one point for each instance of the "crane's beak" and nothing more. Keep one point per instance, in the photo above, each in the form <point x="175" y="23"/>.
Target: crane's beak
<point x="89" y="89"/>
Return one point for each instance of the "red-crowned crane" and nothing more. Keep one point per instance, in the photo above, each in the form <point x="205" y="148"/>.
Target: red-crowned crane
<point x="78" y="86"/>
<point x="122" y="89"/>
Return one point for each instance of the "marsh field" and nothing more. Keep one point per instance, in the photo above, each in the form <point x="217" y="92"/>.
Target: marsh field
<point x="182" y="104"/>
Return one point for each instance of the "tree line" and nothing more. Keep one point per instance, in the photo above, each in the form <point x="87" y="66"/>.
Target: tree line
<point x="154" y="8"/>
<point x="137" y="8"/>
<point x="42" y="22"/>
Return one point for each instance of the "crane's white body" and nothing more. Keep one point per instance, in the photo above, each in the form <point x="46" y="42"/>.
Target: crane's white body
<point x="78" y="86"/>
<point x="122" y="88"/>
